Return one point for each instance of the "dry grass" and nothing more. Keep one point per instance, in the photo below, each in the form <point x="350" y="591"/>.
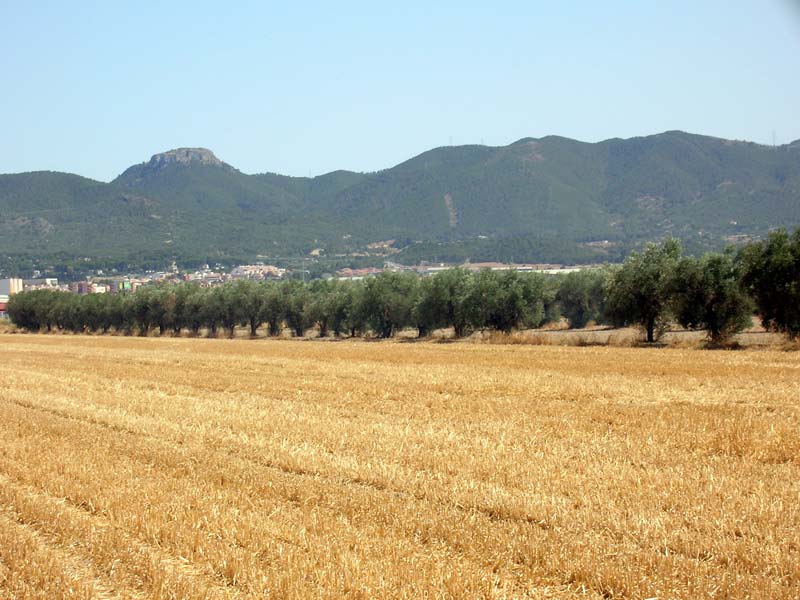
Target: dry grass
<point x="628" y="337"/>
<point x="180" y="468"/>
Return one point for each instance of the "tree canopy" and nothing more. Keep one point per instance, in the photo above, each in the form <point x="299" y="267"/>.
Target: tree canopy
<point x="639" y="291"/>
<point x="715" y="292"/>
<point x="771" y="274"/>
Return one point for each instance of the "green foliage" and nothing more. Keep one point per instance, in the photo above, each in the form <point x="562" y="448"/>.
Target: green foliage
<point x="194" y="306"/>
<point x="441" y="302"/>
<point x="526" y="248"/>
<point x="639" y="291"/>
<point x="388" y="302"/>
<point x="212" y="310"/>
<point x="771" y="274"/>
<point x="272" y="309"/>
<point x="582" y="296"/>
<point x="296" y="306"/>
<point x="330" y="306"/>
<point x="251" y="298"/>
<point x="534" y="200"/>
<point x="706" y="294"/>
<point x="32" y="310"/>
<point x="229" y="306"/>
<point x="141" y="312"/>
<point x="355" y="317"/>
<point x="647" y="290"/>
<point x="505" y="300"/>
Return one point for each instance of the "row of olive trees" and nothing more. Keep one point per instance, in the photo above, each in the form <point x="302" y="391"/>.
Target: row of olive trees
<point x="382" y="305"/>
<point x="717" y="292"/>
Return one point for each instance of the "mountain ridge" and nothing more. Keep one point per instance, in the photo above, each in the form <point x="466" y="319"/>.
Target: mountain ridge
<point x="679" y="132"/>
<point x="187" y="202"/>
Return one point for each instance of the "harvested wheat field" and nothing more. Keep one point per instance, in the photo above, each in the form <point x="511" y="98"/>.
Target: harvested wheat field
<point x="180" y="468"/>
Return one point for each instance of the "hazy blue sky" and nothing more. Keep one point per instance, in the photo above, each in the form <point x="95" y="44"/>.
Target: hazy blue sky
<point x="97" y="86"/>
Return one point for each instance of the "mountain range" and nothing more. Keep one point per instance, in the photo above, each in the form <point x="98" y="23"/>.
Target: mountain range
<point x="548" y="199"/>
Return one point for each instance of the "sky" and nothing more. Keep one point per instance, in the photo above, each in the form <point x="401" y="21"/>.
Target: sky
<point x="305" y="88"/>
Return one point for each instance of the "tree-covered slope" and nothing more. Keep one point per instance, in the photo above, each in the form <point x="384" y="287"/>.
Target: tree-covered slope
<point x="46" y="212"/>
<point x="680" y="183"/>
<point x="524" y="195"/>
<point x="621" y="189"/>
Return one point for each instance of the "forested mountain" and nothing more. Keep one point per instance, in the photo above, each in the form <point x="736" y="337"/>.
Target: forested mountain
<point x="536" y="199"/>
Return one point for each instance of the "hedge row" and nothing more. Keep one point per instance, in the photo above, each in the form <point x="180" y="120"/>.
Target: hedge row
<point x="717" y="292"/>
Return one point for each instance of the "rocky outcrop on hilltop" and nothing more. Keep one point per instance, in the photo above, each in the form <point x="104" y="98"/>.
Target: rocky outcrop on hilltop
<point x="185" y="156"/>
<point x="162" y="162"/>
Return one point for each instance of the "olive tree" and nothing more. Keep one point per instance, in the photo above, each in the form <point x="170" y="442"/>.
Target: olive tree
<point x="639" y="291"/>
<point x="771" y="274"/>
<point x="581" y="296"/>
<point x="706" y="295"/>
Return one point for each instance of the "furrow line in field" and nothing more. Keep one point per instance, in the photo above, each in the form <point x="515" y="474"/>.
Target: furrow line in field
<point x="150" y="571"/>
<point x="322" y="474"/>
<point x="74" y="575"/>
<point x="168" y="583"/>
<point x="240" y="451"/>
<point x="332" y="486"/>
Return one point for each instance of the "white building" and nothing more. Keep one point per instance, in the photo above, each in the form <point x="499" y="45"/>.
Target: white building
<point x="257" y="272"/>
<point x="40" y="283"/>
<point x="9" y="287"/>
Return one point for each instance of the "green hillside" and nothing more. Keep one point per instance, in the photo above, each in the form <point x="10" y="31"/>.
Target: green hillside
<point x="535" y="199"/>
<point x="45" y="213"/>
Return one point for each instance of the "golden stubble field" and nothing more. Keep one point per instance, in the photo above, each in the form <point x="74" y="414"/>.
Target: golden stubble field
<point x="179" y="468"/>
